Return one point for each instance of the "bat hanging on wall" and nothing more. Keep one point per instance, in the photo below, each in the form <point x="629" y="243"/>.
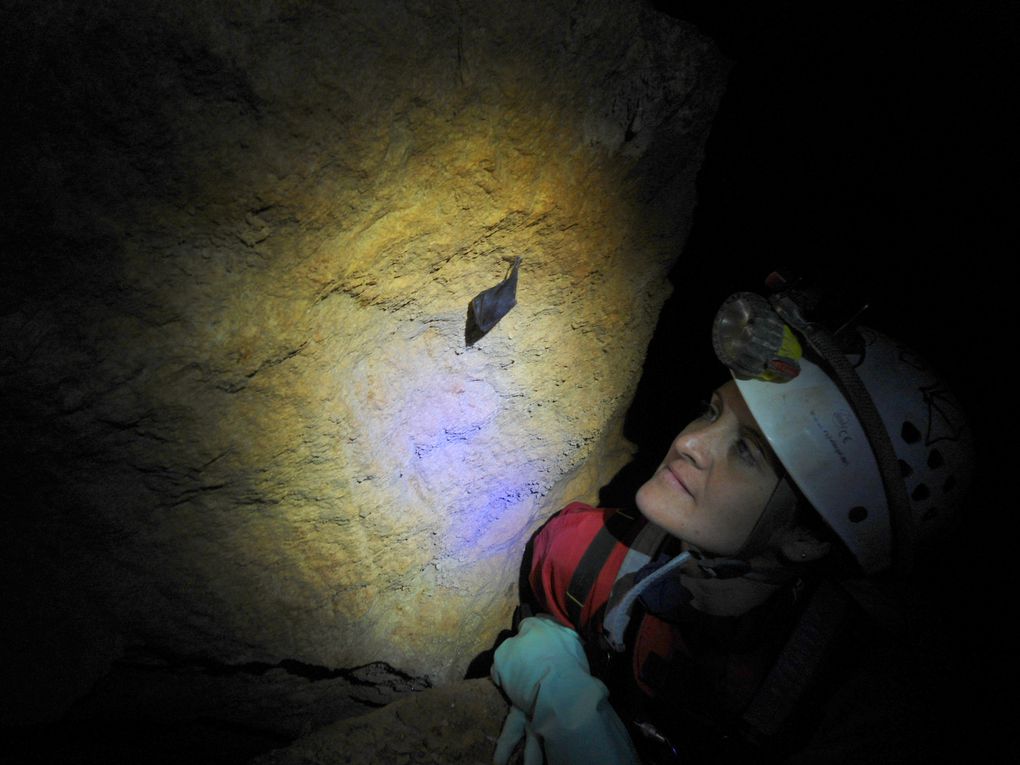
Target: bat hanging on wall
<point x="491" y="305"/>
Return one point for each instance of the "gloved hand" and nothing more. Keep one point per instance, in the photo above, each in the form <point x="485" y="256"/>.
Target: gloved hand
<point x="556" y="701"/>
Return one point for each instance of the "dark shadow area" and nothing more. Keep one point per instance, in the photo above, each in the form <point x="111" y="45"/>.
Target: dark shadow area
<point x="90" y="133"/>
<point x="866" y="146"/>
<point x="149" y="741"/>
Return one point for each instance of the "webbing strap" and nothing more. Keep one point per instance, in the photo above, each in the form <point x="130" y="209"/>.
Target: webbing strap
<point x="619" y="527"/>
<point x="799" y="661"/>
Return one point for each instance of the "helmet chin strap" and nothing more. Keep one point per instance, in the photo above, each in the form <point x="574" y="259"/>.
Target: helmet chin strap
<point x="754" y="585"/>
<point x="780" y="500"/>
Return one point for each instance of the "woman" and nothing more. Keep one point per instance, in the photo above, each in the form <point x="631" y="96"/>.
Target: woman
<point x="717" y="618"/>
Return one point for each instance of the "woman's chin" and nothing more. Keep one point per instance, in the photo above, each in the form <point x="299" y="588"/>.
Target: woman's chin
<point x="652" y="501"/>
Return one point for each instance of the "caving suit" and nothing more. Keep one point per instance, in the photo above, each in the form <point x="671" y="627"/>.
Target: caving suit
<point x="712" y="663"/>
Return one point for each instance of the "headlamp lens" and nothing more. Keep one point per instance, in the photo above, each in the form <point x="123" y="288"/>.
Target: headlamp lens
<point x="751" y="339"/>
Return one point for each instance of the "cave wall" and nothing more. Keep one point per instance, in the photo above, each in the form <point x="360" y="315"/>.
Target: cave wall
<point x="242" y="418"/>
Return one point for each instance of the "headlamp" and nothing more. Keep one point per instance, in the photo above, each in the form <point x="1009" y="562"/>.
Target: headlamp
<point x="751" y="339"/>
<point x="752" y="336"/>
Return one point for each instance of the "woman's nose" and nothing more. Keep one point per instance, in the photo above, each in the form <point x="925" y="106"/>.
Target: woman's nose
<point x="698" y="445"/>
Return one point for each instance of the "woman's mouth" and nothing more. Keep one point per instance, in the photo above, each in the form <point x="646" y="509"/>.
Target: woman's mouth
<point x="676" y="480"/>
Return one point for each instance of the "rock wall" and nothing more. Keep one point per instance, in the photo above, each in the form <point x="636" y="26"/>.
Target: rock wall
<point x="457" y="724"/>
<point x="243" y="419"/>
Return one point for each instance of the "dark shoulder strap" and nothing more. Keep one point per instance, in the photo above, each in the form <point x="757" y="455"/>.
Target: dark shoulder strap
<point x="620" y="527"/>
<point x="826" y="613"/>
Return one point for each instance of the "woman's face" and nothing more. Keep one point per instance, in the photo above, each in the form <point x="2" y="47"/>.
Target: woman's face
<point x="716" y="479"/>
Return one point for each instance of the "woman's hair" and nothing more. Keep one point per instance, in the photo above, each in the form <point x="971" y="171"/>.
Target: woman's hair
<point x="838" y="561"/>
<point x="801" y="514"/>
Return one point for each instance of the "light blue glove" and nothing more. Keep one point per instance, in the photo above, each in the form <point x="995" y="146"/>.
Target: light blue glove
<point x="556" y="702"/>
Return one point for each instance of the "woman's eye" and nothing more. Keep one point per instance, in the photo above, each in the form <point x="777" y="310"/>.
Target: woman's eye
<point x="709" y="411"/>
<point x="746" y="452"/>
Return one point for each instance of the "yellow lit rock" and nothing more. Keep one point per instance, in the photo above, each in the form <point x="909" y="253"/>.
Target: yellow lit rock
<point x="263" y="435"/>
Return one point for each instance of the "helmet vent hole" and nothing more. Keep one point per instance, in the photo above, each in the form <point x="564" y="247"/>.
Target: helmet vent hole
<point x="909" y="433"/>
<point x="858" y="514"/>
<point x="920" y="493"/>
<point x="935" y="459"/>
<point x="905" y="469"/>
<point x="950" y="484"/>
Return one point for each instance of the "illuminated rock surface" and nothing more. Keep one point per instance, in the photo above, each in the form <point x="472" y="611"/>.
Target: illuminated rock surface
<point x="246" y="423"/>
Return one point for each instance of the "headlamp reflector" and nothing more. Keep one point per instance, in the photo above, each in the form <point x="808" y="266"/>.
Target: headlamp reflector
<point x="753" y="341"/>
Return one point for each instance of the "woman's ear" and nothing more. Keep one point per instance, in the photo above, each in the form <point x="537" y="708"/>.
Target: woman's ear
<point x="798" y="545"/>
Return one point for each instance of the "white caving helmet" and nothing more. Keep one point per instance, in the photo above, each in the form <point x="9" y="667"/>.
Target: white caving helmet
<point x="819" y="428"/>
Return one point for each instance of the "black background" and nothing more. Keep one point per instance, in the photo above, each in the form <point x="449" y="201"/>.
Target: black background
<point x="872" y="146"/>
